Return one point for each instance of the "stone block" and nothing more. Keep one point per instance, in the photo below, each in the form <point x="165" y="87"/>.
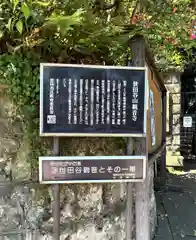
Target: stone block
<point x="174" y="160"/>
<point x="89" y="199"/>
<point x="114" y="193"/>
<point x="176" y="109"/>
<point x="173" y="88"/>
<point x="176" y="119"/>
<point x="176" y="79"/>
<point x="173" y="140"/>
<point x="7" y="109"/>
<point x="172" y="149"/>
<point x="13" y="148"/>
<point x="169" y="140"/>
<point x="10" y="216"/>
<point x="176" y="98"/>
<point x="21" y="167"/>
<point x="176" y="140"/>
<point x="172" y="78"/>
<point x="176" y="129"/>
<point x="168" y="80"/>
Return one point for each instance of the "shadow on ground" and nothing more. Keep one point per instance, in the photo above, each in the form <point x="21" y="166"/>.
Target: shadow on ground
<point x="177" y="209"/>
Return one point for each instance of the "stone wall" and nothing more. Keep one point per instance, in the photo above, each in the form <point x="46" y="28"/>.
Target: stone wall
<point x="89" y="211"/>
<point x="173" y="85"/>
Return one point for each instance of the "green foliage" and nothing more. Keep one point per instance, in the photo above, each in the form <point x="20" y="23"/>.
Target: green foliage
<point x="63" y="24"/>
<point x="166" y="24"/>
<point x="19" y="26"/>
<point x="26" y="11"/>
<point x="79" y="31"/>
<point x="21" y="73"/>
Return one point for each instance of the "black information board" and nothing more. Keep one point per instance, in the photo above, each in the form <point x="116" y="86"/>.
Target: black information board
<point x="92" y="169"/>
<point x="91" y="100"/>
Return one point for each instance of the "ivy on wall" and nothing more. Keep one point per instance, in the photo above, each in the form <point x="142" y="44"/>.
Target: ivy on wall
<point x="21" y="74"/>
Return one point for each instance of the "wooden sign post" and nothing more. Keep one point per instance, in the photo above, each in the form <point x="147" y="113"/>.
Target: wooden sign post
<point x="56" y="194"/>
<point x="142" y="189"/>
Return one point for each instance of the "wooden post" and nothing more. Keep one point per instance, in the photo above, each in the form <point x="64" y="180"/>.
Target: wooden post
<point x="142" y="189"/>
<point x="163" y="155"/>
<point x="129" y="205"/>
<point x="142" y="199"/>
<point x="56" y="198"/>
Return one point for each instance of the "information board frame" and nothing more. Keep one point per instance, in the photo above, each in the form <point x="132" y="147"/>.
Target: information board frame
<point x="97" y="158"/>
<point x="66" y="134"/>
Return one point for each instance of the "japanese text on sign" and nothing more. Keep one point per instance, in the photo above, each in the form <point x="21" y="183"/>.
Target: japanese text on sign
<point x="97" y="112"/>
<point x="135" y="101"/>
<point x="96" y="100"/>
<point x="93" y="169"/>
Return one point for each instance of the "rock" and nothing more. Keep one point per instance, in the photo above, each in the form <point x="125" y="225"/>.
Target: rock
<point x="34" y="216"/>
<point x="10" y="216"/>
<point x="67" y="212"/>
<point x="21" y="168"/>
<point x="89" y="198"/>
<point x="113" y="193"/>
<point x="21" y="195"/>
<point x="87" y="233"/>
<point x="5" y="188"/>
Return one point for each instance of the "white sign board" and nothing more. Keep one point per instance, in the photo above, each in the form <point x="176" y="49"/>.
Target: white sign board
<point x="187" y="121"/>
